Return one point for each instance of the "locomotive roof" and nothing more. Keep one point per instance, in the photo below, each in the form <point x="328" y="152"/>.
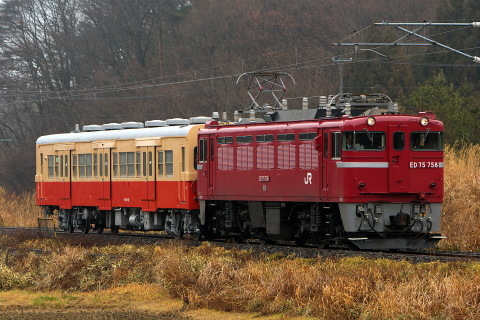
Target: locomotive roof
<point x="121" y="134"/>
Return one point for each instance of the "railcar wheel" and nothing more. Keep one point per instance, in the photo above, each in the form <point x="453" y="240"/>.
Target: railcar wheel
<point x="70" y="228"/>
<point x="86" y="226"/>
<point x="114" y="230"/>
<point x="197" y="230"/>
<point x="99" y="229"/>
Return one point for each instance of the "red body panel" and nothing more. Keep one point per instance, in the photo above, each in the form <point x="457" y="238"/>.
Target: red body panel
<point x="355" y="176"/>
<point x="168" y="195"/>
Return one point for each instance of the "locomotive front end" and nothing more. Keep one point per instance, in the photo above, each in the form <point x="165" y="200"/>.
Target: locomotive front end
<point x="392" y="172"/>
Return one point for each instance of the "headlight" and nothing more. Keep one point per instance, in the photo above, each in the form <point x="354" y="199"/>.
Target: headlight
<point x="371" y="121"/>
<point x="424" y="121"/>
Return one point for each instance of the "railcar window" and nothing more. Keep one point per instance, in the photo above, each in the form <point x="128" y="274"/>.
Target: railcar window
<point x="127" y="164"/>
<point x="144" y="164"/>
<point x="398" y="141"/>
<point x="307" y="136"/>
<point x="195" y="154"/>
<point x="150" y="163"/>
<point x="115" y="164"/>
<point x="336" y="145"/>
<point x="106" y="164"/>
<point x="101" y="164"/>
<point x="51" y="163"/>
<point x="426" y="141"/>
<point x="363" y="140"/>
<point x="160" y="163"/>
<point x="74" y="165"/>
<point x="183" y="159"/>
<point x="265" y="138"/>
<point x="57" y="162"/>
<point x="169" y="163"/>
<point x="223" y="140"/>
<point x="95" y="165"/>
<point x="85" y="165"/>
<point x="66" y="166"/>
<point x="138" y="164"/>
<point x="61" y="166"/>
<point x="286" y="137"/>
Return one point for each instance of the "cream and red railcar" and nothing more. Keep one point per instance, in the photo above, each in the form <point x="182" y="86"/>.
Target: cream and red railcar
<point x="140" y="179"/>
<point x="374" y="182"/>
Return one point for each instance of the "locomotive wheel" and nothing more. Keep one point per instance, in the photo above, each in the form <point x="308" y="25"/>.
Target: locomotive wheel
<point x="86" y="226"/>
<point x="322" y="244"/>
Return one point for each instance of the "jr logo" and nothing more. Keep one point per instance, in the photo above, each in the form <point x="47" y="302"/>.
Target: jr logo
<point x="308" y="178"/>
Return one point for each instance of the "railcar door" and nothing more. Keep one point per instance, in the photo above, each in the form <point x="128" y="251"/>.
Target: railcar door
<point x="104" y="173"/>
<point x="148" y="173"/>
<point x="62" y="171"/>
<point x="398" y="151"/>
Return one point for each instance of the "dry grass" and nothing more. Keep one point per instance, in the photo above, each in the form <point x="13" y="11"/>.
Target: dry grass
<point x="18" y="210"/>
<point x="461" y="208"/>
<point x="237" y="281"/>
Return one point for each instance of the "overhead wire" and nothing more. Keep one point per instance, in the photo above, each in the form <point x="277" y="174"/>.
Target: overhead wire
<point x="82" y="94"/>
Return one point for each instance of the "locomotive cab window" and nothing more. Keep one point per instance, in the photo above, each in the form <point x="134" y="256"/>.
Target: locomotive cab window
<point x="363" y="140"/>
<point x="398" y="141"/>
<point x="426" y="141"/>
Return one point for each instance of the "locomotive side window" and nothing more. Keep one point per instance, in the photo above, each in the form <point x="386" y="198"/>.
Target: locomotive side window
<point x="398" y="141"/>
<point x="363" y="140"/>
<point x="336" y="145"/>
<point x="202" y="155"/>
<point x="325" y="145"/>
<point x="426" y="141"/>
<point x="265" y="152"/>
<point x="307" y="135"/>
<point x="244" y="139"/>
<point x="286" y="137"/>
<point x="224" y="140"/>
<point x="265" y="138"/>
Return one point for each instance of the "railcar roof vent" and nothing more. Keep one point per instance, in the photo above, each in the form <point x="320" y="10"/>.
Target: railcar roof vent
<point x="92" y="127"/>
<point x="132" y="125"/>
<point x="199" y="120"/>
<point x="112" y="126"/>
<point x="155" y="123"/>
<point x="178" y="122"/>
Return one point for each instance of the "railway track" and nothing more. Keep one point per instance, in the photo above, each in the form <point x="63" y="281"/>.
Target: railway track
<point x="281" y="249"/>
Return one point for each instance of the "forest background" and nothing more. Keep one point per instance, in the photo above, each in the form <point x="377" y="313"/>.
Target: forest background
<point x="67" y="62"/>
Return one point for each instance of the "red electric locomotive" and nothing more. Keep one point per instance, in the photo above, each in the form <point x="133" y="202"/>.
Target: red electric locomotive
<point x="373" y="180"/>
